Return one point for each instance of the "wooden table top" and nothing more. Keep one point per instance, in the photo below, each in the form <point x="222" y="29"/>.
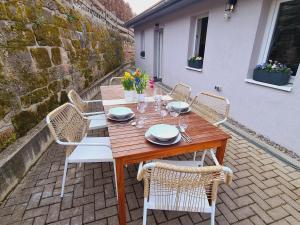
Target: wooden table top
<point x="129" y="142"/>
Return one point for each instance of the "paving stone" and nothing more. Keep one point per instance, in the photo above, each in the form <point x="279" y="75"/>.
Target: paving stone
<point x="277" y="213"/>
<point x="243" y="213"/>
<point x="264" y="191"/>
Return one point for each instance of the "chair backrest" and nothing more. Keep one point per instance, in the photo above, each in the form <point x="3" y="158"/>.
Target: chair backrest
<point x="182" y="188"/>
<point x="67" y="124"/>
<point x="115" y="81"/>
<point x="211" y="107"/>
<point x="181" y="92"/>
<point x="76" y="100"/>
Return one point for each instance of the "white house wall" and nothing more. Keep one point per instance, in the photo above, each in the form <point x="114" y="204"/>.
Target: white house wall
<point x="232" y="51"/>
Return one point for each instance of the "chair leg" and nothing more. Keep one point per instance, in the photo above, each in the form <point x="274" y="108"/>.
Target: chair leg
<point x="116" y="181"/>
<point x="213" y="211"/>
<point x="195" y="155"/>
<point x="64" y="178"/>
<point x="145" y="212"/>
<point x="203" y="157"/>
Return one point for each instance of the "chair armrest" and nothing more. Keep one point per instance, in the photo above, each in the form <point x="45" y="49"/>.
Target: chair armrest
<point x="93" y="101"/>
<point x="81" y="144"/>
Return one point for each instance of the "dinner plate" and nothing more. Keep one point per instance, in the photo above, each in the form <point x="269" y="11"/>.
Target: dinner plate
<point x="120" y="112"/>
<point x="187" y="110"/>
<point x="178" y="105"/>
<point x="111" y="117"/>
<point x="163" y="132"/>
<point x="153" y="140"/>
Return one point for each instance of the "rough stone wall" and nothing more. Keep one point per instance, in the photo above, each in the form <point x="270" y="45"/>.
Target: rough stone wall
<point x="46" y="48"/>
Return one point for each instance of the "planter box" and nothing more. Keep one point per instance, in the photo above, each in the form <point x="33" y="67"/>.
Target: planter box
<point x="279" y="79"/>
<point x="195" y="64"/>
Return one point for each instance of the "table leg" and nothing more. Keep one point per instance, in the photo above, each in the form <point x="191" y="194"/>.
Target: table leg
<point x="221" y="152"/>
<point x="121" y="192"/>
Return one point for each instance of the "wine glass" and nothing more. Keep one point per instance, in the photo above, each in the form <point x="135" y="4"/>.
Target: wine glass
<point x="163" y="113"/>
<point x="141" y="108"/>
<point x="157" y="100"/>
<point x="174" y="113"/>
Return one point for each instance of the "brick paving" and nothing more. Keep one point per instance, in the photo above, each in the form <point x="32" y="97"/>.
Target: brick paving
<point x="264" y="191"/>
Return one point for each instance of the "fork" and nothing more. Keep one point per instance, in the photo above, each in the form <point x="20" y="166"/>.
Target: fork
<point x="182" y="131"/>
<point x="183" y="135"/>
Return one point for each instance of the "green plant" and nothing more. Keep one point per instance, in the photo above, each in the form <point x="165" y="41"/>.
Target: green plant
<point x="128" y="81"/>
<point x="140" y="81"/>
<point x="274" y="67"/>
<point x="196" y="58"/>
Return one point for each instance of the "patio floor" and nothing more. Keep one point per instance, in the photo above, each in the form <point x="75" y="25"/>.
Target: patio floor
<point x="264" y="191"/>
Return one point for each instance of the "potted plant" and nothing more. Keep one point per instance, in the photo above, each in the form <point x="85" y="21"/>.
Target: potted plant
<point x="128" y="85"/>
<point x="140" y="82"/>
<point x="143" y="54"/>
<point x="196" y="62"/>
<point x="272" y="73"/>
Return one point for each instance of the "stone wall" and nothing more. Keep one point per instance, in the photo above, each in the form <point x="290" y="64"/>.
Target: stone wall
<point x="46" y="48"/>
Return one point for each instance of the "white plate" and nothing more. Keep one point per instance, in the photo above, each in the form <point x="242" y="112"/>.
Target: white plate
<point x="182" y="112"/>
<point x="163" y="132"/>
<point x="120" y="119"/>
<point x="164" y="143"/>
<point x="120" y="112"/>
<point x="178" y="106"/>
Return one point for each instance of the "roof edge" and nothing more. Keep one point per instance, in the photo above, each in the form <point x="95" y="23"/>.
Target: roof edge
<point x="151" y="11"/>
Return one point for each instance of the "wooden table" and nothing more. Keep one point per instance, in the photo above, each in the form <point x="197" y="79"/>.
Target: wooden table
<point x="130" y="146"/>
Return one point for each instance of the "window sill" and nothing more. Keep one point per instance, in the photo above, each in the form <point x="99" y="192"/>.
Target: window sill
<point x="194" y="69"/>
<point x="143" y="57"/>
<point x="287" y="88"/>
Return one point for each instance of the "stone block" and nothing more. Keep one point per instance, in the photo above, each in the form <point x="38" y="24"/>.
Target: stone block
<point x="41" y="57"/>
<point x="56" y="56"/>
<point x="47" y="35"/>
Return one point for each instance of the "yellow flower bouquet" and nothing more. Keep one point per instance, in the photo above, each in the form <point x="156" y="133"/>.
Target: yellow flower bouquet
<point x="128" y="82"/>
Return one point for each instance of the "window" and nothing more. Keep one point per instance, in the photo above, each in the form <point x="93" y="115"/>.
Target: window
<point x="143" y="54"/>
<point x="200" y="38"/>
<point x="283" y="41"/>
<point x="197" y="42"/>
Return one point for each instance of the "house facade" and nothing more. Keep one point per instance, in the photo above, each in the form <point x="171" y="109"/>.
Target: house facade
<point x="170" y="33"/>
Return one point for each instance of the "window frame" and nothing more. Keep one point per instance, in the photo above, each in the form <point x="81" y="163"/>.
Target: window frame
<point x="197" y="18"/>
<point x="269" y="31"/>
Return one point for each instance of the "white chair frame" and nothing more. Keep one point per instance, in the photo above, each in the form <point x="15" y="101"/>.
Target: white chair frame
<point x="98" y="119"/>
<point x="113" y="79"/>
<point x="162" y="197"/>
<point x="216" y="123"/>
<point x="85" y="147"/>
<point x="181" y="85"/>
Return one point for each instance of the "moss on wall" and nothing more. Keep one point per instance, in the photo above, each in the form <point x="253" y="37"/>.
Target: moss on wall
<point x="54" y="86"/>
<point x="20" y="36"/>
<point x="55" y="56"/>
<point x="23" y="122"/>
<point x="41" y="57"/>
<point x="15" y="10"/>
<point x="3" y="14"/>
<point x="34" y="97"/>
<point x="47" y="35"/>
<point x="81" y="51"/>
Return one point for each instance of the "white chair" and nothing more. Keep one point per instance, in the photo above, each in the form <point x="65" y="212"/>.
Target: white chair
<point x="214" y="109"/>
<point x="182" y="188"/>
<point x="181" y="92"/>
<point x="115" y="81"/>
<point x="98" y="118"/>
<point x="69" y="128"/>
